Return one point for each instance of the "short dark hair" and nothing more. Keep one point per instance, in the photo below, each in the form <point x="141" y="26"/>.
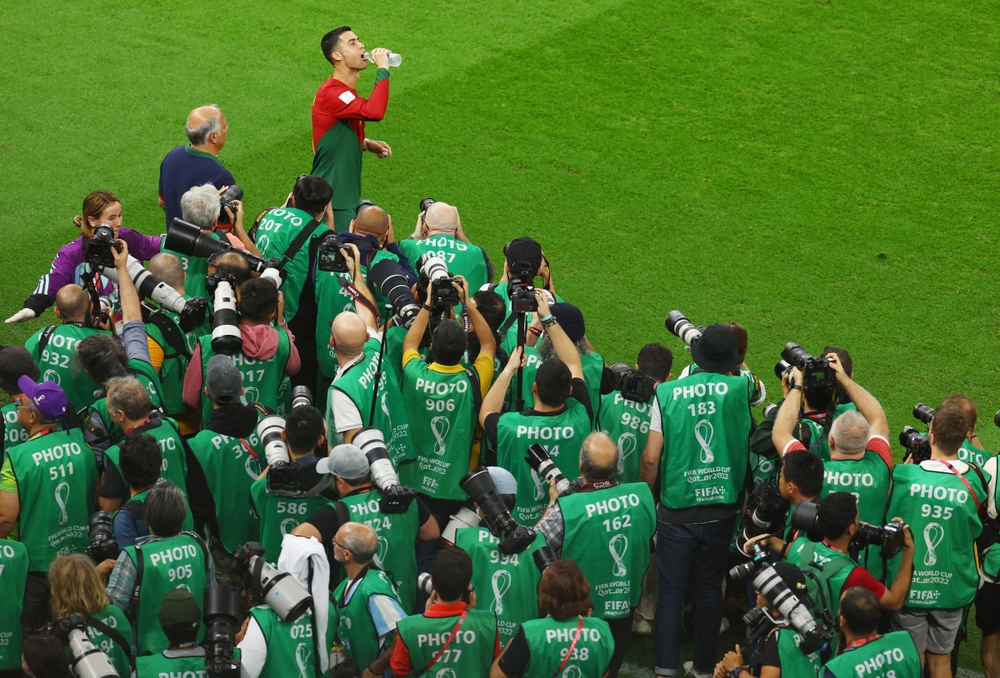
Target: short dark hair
<point x="949" y="426"/>
<point x="968" y="405"/>
<point x="140" y="460"/>
<point x="655" y="360"/>
<point x="563" y="591"/>
<point x="258" y="299"/>
<point x="451" y="572"/>
<point x="165" y="509"/>
<point x="837" y="512"/>
<point x="45" y="655"/>
<point x="843" y="357"/>
<point x="94" y="353"/>
<point x="491" y="306"/>
<point x="312" y="194"/>
<point x="448" y="343"/>
<point x="554" y="381"/>
<point x="331" y="41"/>
<point x="805" y="469"/>
<point x="303" y="428"/>
<point x="861" y="610"/>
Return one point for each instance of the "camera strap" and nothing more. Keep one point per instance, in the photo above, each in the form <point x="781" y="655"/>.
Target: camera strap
<point x="378" y="377"/>
<point x="360" y="298"/>
<point x="965" y="482"/>
<point x="297" y="243"/>
<point x="171" y="334"/>
<point x="440" y="653"/>
<point x="572" y="646"/>
<point x="46" y="335"/>
<point x="114" y="635"/>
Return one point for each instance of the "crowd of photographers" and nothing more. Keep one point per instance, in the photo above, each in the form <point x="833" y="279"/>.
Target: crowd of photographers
<point x="284" y="450"/>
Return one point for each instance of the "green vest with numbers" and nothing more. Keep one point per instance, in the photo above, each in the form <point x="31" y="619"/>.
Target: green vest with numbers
<point x="627" y="422"/>
<point x="231" y="466"/>
<point x="56" y="477"/>
<point x="397" y="535"/>
<point x="470" y="652"/>
<point x="560" y="434"/>
<point x="461" y="258"/>
<point x="607" y="534"/>
<point x="159" y="666"/>
<point x="275" y="233"/>
<point x="172" y="563"/>
<point x="356" y="630"/>
<point x="113" y="617"/>
<point x="794" y="662"/>
<point x="706" y="439"/>
<point x="441" y="410"/>
<point x="890" y="656"/>
<point x="504" y="584"/>
<point x="868" y="479"/>
<point x="549" y="641"/>
<point x="262" y="379"/>
<point x="293" y="648"/>
<point x="13" y="433"/>
<point x="830" y="567"/>
<point x="174" y="465"/>
<point x="969" y="453"/>
<point x="13" y="575"/>
<point x="358" y="383"/>
<point x="174" y="363"/>
<point x="57" y="361"/>
<point x="937" y="506"/>
<point x="278" y="515"/>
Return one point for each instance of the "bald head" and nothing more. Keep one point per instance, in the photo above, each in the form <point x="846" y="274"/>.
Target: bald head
<point x="202" y="122"/>
<point x="372" y="220"/>
<point x="598" y="457"/>
<point x="441" y="218"/>
<point x="849" y="434"/>
<point x="360" y="540"/>
<point x="348" y="335"/>
<point x="72" y="303"/>
<point x="168" y="268"/>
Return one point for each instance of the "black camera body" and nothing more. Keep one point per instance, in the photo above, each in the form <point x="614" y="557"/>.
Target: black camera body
<point x="226" y="199"/>
<point x="889" y="538"/>
<point x="99" y="247"/>
<point x="918" y="447"/>
<point x="764" y="507"/>
<point x="744" y="572"/>
<point x="425" y="203"/>
<point x="221" y="622"/>
<point x="443" y="295"/>
<point x="103" y="545"/>
<point x="329" y="258"/>
<point x="514" y="538"/>
<point x="924" y="413"/>
<point x="522" y="298"/>
<point x="633" y="384"/>
<point x="816" y="372"/>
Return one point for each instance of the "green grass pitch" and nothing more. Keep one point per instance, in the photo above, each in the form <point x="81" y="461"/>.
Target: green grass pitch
<point x="824" y="171"/>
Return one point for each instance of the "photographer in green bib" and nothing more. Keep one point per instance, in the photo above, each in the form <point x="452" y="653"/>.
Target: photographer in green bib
<point x="439" y="231"/>
<point x="129" y="408"/>
<point x="971" y="449"/>
<point x="399" y="534"/>
<point x="944" y="500"/>
<point x="867" y="652"/>
<point x="180" y="619"/>
<point x="560" y="419"/>
<point x="266" y="356"/>
<point x="140" y="462"/>
<point x="53" y="347"/>
<point x="567" y="641"/>
<point x="988" y="596"/>
<point x="14" y="564"/>
<point x="778" y="653"/>
<point x="166" y="559"/>
<point x="603" y="511"/>
<point x="698" y="445"/>
<point x="367" y="603"/>
<point x="47" y="487"/>
<point x="170" y="347"/>
<point x="280" y="504"/>
<point x="441" y="401"/>
<point x="15" y="362"/>
<point x="227" y="457"/>
<point x="451" y="637"/>
<point x="506" y="584"/>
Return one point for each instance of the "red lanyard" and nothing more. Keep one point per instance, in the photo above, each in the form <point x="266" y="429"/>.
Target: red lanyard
<point x="454" y="632"/>
<point x="572" y="646"/>
<point x="854" y="644"/>
<point x="965" y="482"/>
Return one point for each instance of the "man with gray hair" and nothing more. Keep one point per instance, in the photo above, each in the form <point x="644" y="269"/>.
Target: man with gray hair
<point x="439" y="230"/>
<point x="622" y="515"/>
<point x="860" y="457"/>
<point x="197" y="162"/>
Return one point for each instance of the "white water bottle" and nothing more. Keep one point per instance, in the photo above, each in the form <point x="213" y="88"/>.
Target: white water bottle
<point x="394" y="59"/>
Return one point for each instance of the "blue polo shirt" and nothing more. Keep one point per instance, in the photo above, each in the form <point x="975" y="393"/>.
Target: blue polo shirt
<point x="185" y="167"/>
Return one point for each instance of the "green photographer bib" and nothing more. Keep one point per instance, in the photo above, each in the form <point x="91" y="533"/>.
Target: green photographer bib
<point x="277" y="516"/>
<point x="115" y="619"/>
<point x="56" y="476"/>
<point x="262" y="379"/>
<point x="13" y="575"/>
<point x="231" y="465"/>
<point x="890" y="656"/>
<point x="561" y="435"/>
<point x="627" y="422"/>
<point x="441" y="409"/>
<point x="794" y="662"/>
<point x="941" y="512"/>
<point x="461" y="258"/>
<point x="356" y="629"/>
<point x="549" y="641"/>
<point x="971" y="454"/>
<point x="506" y="585"/>
<point x="160" y="666"/>
<point x="470" y="652"/>
<point x="146" y="374"/>
<point x="868" y="479"/>
<point x="397" y="535"/>
<point x="706" y="431"/>
<point x="826" y="571"/>
<point x="607" y="534"/>
<point x="174" y="362"/>
<point x="276" y="231"/>
<point x="57" y="361"/>
<point x="13" y="433"/>
<point x="293" y="647"/>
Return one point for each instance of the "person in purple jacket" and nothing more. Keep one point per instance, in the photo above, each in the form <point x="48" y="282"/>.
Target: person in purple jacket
<point x="100" y="207"/>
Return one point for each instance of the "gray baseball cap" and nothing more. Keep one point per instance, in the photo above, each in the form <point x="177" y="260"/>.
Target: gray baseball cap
<point x="224" y="381"/>
<point x="345" y="461"/>
<point x="503" y="480"/>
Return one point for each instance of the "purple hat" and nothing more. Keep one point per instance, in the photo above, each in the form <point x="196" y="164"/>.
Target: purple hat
<point x="47" y="397"/>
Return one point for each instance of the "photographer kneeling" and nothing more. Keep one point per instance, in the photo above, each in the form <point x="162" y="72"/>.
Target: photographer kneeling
<point x="779" y="651"/>
<point x="859" y="617"/>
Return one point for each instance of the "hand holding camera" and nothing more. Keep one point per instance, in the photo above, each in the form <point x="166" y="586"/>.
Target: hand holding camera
<point x="542" y="299"/>
<point x="838" y="370"/>
<point x="515" y="361"/>
<point x="119" y="253"/>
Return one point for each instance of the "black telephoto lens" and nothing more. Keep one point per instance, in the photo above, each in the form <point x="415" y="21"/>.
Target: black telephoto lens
<point x="923" y="412"/>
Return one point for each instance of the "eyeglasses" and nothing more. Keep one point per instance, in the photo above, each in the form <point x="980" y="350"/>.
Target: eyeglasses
<point x="337" y="543"/>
